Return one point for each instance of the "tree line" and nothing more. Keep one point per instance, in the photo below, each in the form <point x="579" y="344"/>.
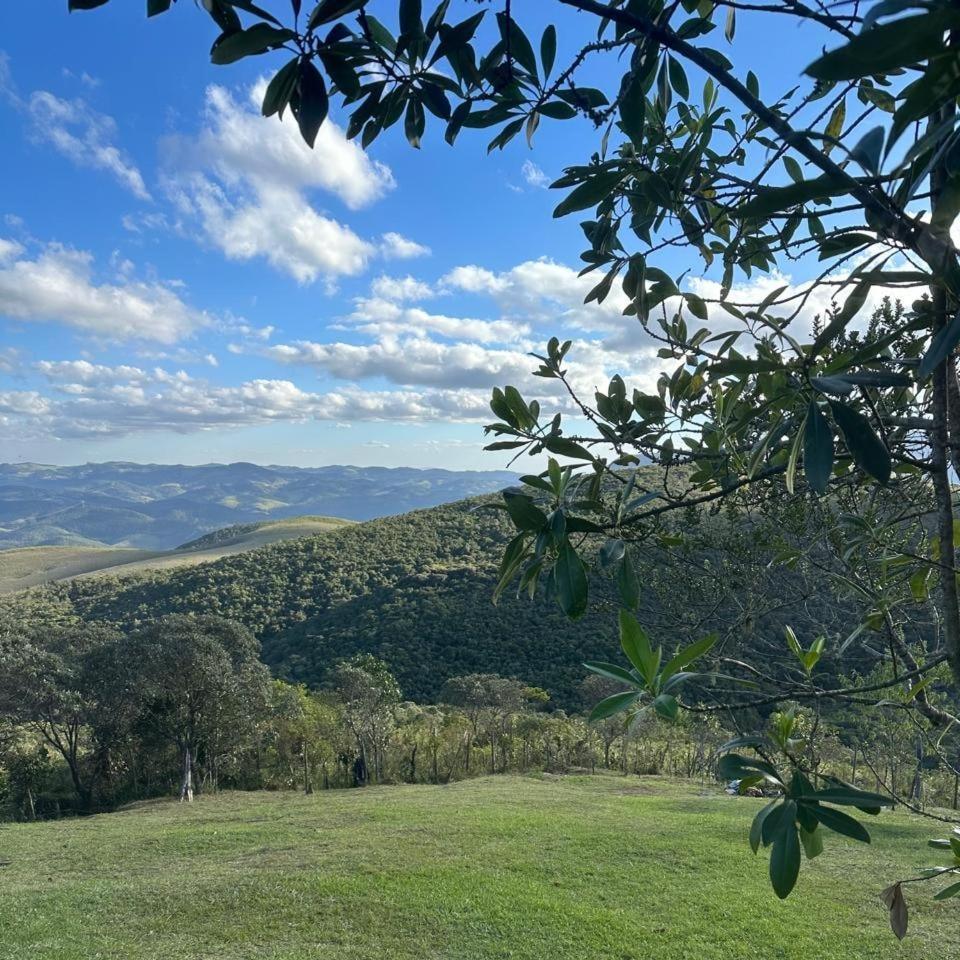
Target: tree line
<point x="92" y="718"/>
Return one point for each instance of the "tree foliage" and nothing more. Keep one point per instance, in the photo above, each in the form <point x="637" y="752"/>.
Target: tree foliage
<point x="853" y="169"/>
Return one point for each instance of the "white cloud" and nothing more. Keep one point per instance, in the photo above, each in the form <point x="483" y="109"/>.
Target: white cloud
<point x="417" y="361"/>
<point x="84" y="136"/>
<point x="10" y="363"/>
<point x="246" y="180"/>
<point x="9" y="249"/>
<point x="58" y="286"/>
<point x="417" y="348"/>
<point x="395" y="246"/>
<point x="543" y="292"/>
<point x="534" y="176"/>
<point x="803" y="301"/>
<point x="393" y="288"/>
<point x="96" y="400"/>
<point x="383" y="318"/>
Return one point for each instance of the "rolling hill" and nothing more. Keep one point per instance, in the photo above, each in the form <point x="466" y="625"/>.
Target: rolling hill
<point x="155" y="507"/>
<point x="28" y="567"/>
<point x="416" y="591"/>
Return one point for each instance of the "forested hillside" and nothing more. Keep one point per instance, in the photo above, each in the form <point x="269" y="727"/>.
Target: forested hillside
<point x="416" y="590"/>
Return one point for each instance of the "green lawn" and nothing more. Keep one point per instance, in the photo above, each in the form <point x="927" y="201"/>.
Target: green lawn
<point x="579" y="868"/>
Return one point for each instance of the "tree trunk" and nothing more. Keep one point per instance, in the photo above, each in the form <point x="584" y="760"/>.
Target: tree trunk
<point x="186" y="783"/>
<point x="307" y="781"/>
<point x="943" y="418"/>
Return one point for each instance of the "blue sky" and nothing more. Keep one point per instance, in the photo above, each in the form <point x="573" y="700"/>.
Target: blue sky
<point x="182" y="280"/>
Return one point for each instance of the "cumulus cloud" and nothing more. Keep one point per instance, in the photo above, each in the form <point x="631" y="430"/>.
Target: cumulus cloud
<point x="395" y="246"/>
<point x="412" y="361"/>
<point x="97" y="400"/>
<point x="542" y="292"/>
<point x="246" y="180"/>
<point x="414" y="347"/>
<point x="384" y="318"/>
<point x="58" y="285"/>
<point x="396" y="288"/>
<point x="84" y="136"/>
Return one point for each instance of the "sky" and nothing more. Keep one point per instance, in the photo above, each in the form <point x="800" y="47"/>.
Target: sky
<point x="182" y="280"/>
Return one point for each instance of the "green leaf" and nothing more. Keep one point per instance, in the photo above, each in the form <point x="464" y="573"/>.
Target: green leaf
<point x="281" y="89"/>
<point x="847" y="312"/>
<point x="590" y="193"/>
<point x="311" y="103"/>
<point x="612" y="672"/>
<point x="548" y="49"/>
<point x="817" y="449"/>
<point x="947" y="892"/>
<point x="636" y="645"/>
<point x="628" y="583"/>
<point x="666" y="706"/>
<point x="515" y="40"/>
<point x="688" y="654"/>
<point x="633" y="106"/>
<point x="615" y="704"/>
<point x="868" y="149"/>
<point x="886" y="48"/>
<point x="155" y="7"/>
<point x="84" y="4"/>
<point x="510" y="563"/>
<point x="678" y="79"/>
<point x="840" y="822"/>
<point x="567" y="448"/>
<point x="756" y="828"/>
<point x="414" y="123"/>
<point x="941" y="347"/>
<point x="864" y="445"/>
<point x="785" y="855"/>
<point x="835" y="123"/>
<point x="812" y="842"/>
<point x="411" y="25"/>
<point x="341" y="72"/>
<point x="251" y="7"/>
<point x="570" y="579"/>
<point x="524" y="513"/>
<point x="328" y="10"/>
<point x="850" y="797"/>
<point x="245" y="43"/>
<point x="768" y="200"/>
<point x="735" y="766"/>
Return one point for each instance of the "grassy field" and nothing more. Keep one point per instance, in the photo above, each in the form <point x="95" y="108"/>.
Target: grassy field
<point x="26" y="567"/>
<point x="560" y="868"/>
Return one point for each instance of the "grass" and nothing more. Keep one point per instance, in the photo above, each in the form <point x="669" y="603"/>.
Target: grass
<point x="25" y="567"/>
<point x="558" y="868"/>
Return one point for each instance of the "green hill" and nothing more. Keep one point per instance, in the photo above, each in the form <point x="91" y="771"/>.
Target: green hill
<point x="33" y="566"/>
<point x="416" y="590"/>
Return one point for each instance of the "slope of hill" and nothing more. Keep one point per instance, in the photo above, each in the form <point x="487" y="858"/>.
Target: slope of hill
<point x="32" y="566"/>
<point x="156" y="506"/>
<point x="560" y="868"/>
<point x="416" y="590"/>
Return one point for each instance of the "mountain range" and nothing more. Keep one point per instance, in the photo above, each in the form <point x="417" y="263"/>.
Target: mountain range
<point x="162" y="506"/>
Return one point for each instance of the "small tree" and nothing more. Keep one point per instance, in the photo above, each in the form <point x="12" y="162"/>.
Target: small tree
<point x="50" y="685"/>
<point x="202" y="685"/>
<point x="369" y="694"/>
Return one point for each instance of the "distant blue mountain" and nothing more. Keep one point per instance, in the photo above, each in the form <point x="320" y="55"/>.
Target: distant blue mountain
<point x="159" y="506"/>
